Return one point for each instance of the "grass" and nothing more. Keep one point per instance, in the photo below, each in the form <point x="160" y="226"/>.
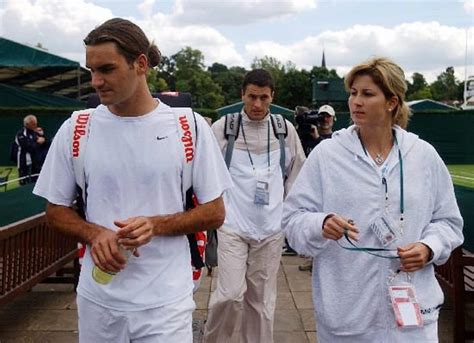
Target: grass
<point x="462" y="174"/>
<point x="13" y="175"/>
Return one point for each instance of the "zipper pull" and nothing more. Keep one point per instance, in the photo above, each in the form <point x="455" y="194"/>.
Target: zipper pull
<point x="384" y="183"/>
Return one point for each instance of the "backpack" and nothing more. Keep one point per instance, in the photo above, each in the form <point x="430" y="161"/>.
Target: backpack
<point x="232" y="128"/>
<point x="187" y="128"/>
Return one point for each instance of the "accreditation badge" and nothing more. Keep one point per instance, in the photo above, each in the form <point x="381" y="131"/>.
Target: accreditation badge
<point x="384" y="230"/>
<point x="405" y="306"/>
<point x="262" y="193"/>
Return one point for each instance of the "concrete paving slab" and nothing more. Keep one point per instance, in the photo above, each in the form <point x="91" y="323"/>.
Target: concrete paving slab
<point x="285" y="301"/>
<point x="287" y="320"/>
<point x="202" y="300"/>
<point x="38" y="336"/>
<point x="303" y="300"/>
<point x="307" y="317"/>
<point x="282" y="284"/>
<point x="289" y="337"/>
<point x="54" y="320"/>
<point x="299" y="285"/>
<point x="311" y="336"/>
<point x="292" y="260"/>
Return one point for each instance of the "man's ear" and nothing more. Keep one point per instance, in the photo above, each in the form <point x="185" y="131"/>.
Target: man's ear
<point x="142" y="63"/>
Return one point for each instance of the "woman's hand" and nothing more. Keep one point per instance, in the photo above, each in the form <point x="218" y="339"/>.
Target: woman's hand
<point x="413" y="256"/>
<point x="334" y="227"/>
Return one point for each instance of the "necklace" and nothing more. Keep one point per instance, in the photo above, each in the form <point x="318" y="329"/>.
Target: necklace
<point x="379" y="159"/>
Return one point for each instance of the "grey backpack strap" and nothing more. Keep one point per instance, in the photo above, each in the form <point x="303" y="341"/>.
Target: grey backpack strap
<point x="79" y="133"/>
<point x="280" y="130"/>
<point x="231" y="132"/>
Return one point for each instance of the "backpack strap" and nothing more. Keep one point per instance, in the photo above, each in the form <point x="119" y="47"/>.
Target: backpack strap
<point x="79" y="133"/>
<point x="280" y="129"/>
<point x="187" y="130"/>
<point x="231" y="132"/>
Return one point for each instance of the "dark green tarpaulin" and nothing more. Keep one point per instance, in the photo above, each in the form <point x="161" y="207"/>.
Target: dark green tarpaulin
<point x="11" y="96"/>
<point x="19" y="203"/>
<point x="13" y="54"/>
<point x="36" y="69"/>
<point x="465" y="199"/>
<point x="429" y="105"/>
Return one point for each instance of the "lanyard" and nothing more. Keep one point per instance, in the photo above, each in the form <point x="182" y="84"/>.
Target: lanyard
<point x="385" y="184"/>
<point x="371" y="251"/>
<point x="248" y="151"/>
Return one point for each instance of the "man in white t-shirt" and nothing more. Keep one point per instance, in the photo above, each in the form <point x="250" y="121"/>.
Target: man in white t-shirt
<point x="250" y="241"/>
<point x="133" y="174"/>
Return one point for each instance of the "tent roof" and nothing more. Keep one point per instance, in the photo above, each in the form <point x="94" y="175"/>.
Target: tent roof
<point x="11" y="96"/>
<point x="428" y="105"/>
<point x="237" y="107"/>
<point x="35" y="69"/>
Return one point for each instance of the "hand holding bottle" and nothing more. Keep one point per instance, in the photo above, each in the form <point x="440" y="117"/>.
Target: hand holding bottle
<point x="109" y="258"/>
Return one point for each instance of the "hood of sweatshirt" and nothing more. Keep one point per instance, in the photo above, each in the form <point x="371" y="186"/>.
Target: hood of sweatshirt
<point x="349" y="139"/>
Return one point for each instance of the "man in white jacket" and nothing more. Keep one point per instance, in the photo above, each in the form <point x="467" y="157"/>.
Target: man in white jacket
<point x="250" y="241"/>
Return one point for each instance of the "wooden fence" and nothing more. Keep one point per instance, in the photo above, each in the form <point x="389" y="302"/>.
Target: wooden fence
<point x="30" y="252"/>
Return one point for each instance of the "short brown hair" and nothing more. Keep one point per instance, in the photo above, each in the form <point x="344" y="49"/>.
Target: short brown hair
<point x="390" y="78"/>
<point x="130" y="40"/>
<point x="258" y="77"/>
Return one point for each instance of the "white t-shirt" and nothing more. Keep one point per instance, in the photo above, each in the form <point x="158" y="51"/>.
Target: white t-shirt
<point x="133" y="167"/>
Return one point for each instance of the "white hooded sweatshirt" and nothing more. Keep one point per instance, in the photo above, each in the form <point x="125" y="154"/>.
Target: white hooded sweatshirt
<point x="350" y="288"/>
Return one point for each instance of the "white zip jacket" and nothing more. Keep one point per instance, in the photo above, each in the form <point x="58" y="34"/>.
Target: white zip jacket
<point x="350" y="290"/>
<point x="242" y="215"/>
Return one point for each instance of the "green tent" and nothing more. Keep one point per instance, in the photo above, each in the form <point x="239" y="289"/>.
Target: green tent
<point x="35" y="69"/>
<point x="11" y="96"/>
<point x="429" y="105"/>
<point x="237" y="107"/>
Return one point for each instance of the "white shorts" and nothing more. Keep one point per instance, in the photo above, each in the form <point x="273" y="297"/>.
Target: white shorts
<point x="169" y="323"/>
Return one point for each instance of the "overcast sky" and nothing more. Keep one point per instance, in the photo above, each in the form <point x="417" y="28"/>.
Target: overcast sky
<point x="423" y="35"/>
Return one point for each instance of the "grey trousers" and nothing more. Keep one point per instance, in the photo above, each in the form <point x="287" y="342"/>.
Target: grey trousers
<point x="246" y="288"/>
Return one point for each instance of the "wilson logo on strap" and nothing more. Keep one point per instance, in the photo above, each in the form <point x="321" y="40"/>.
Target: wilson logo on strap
<point x="186" y="138"/>
<point x="80" y="130"/>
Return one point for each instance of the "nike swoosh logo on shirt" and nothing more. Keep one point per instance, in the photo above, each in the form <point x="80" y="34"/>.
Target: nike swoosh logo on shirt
<point x="160" y="138"/>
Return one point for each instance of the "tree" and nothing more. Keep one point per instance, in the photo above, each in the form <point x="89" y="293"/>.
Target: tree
<point x="191" y="77"/>
<point x="217" y="68"/>
<point x="230" y="80"/>
<point x="155" y="82"/>
<point x="323" y="73"/>
<point x="419" y="88"/>
<point x="272" y="65"/>
<point x="445" y="88"/>
<point x="295" y="89"/>
<point x="166" y="70"/>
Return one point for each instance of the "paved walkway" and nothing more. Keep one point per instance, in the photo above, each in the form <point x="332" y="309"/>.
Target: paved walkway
<point x="48" y="313"/>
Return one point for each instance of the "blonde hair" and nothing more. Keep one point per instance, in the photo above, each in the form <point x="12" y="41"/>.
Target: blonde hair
<point x="390" y="78"/>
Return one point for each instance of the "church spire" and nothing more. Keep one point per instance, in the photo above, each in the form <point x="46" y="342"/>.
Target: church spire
<point x="323" y="61"/>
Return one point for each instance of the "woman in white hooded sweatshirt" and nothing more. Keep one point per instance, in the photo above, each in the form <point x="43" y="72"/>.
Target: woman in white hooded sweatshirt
<point x="376" y="186"/>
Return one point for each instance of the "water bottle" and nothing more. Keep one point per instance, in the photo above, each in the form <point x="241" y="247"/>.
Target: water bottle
<point x="104" y="277"/>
